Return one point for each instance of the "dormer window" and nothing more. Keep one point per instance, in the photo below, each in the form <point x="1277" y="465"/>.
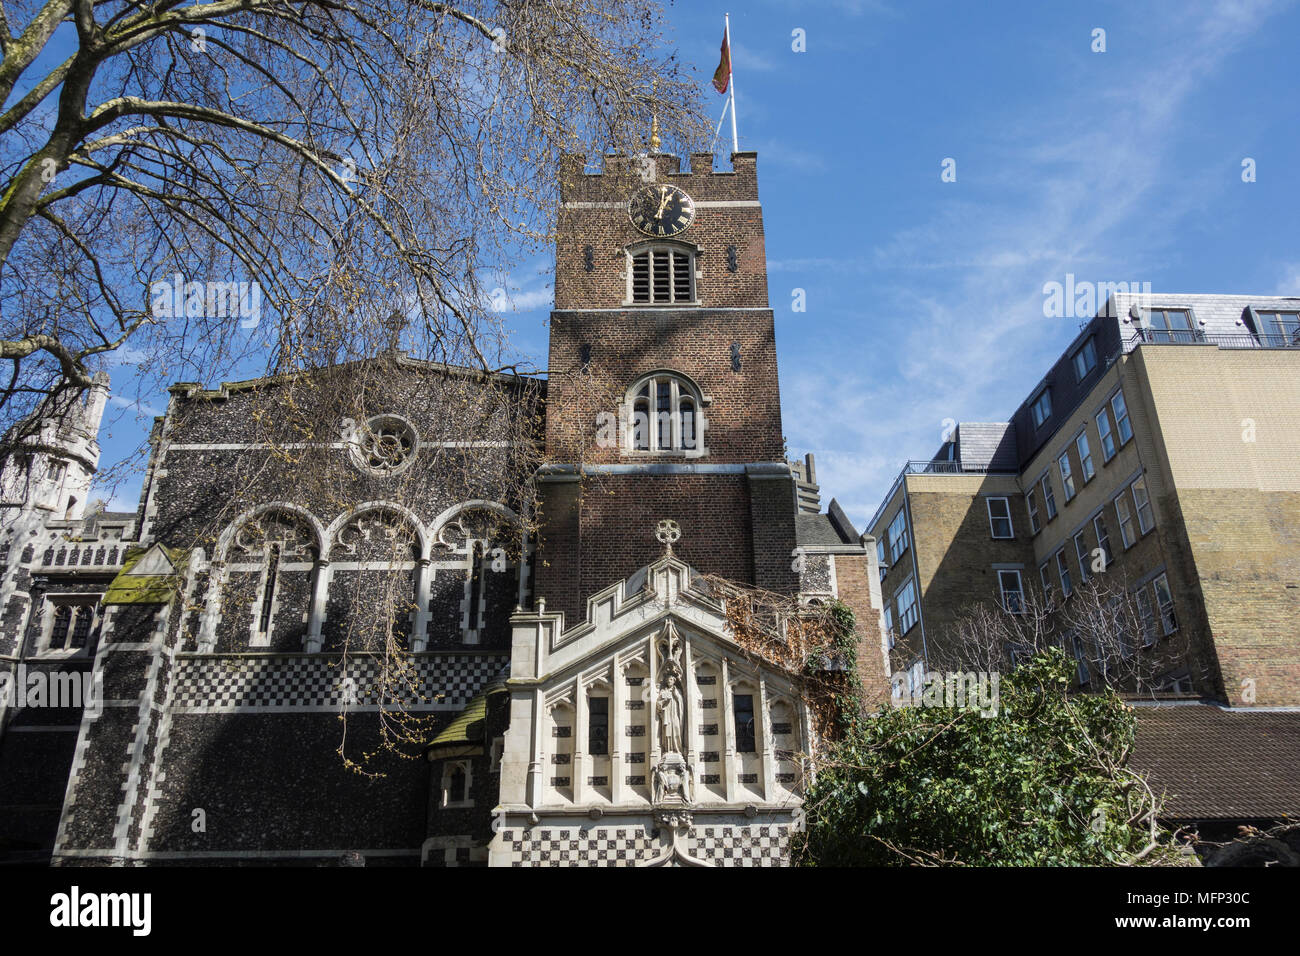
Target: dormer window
<point x="665" y="416"/>
<point x="1170" y="325"/>
<point x="1041" y="409"/>
<point x="1084" y="360"/>
<point x="662" y="275"/>
<point x="1278" y="329"/>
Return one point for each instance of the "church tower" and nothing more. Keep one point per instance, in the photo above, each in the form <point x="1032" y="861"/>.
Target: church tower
<point x="662" y="399"/>
<point x="640" y="731"/>
<point x="51" y="475"/>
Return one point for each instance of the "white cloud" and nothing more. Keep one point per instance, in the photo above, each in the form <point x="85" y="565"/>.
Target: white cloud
<point x="782" y="154"/>
<point x="142" y="407"/>
<point x="526" y="301"/>
<point x="528" y="288"/>
<point x="745" y="60"/>
<point x="1290" y="284"/>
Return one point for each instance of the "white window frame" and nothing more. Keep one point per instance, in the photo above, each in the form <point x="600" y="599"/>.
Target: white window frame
<point x="889" y="624"/>
<point x="1063" y="572"/>
<point x="1031" y="503"/>
<point x="1140" y="505"/>
<point x="680" y="390"/>
<point x="916" y="678"/>
<point x="1049" y="495"/>
<point x="1122" y="423"/>
<point x="1067" y="475"/>
<point x="1045" y="578"/>
<point x="1103" y="536"/>
<point x="900" y="523"/>
<point x="1106" y="435"/>
<point x="1164" y="604"/>
<point x="1011" y="529"/>
<point x="1019" y="590"/>
<point x="1084" y="451"/>
<point x="1083" y="554"/>
<point x="1125" y="518"/>
<point x="910" y="614"/>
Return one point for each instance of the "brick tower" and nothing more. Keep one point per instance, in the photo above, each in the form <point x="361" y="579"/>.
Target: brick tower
<point x="662" y="397"/>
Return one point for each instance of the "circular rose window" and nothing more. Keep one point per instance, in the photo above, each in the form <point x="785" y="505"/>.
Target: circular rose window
<point x="385" y="445"/>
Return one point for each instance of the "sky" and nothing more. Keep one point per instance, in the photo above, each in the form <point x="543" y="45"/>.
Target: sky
<point x="924" y="297"/>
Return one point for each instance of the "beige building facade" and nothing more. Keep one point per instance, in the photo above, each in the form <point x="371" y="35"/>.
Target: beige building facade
<point x="1160" y="456"/>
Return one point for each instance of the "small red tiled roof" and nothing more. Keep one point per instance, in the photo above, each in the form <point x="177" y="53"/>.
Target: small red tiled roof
<point x="1216" y="764"/>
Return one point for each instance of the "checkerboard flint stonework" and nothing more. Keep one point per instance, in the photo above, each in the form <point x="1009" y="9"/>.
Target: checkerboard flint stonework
<point x="446" y="682"/>
<point x="728" y="845"/>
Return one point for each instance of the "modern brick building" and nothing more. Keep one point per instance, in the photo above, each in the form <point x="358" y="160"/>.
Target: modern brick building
<point x="1163" y="442"/>
<point x="587" y="702"/>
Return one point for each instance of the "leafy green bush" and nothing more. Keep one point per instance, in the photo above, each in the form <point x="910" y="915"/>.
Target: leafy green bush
<point x="1042" y="783"/>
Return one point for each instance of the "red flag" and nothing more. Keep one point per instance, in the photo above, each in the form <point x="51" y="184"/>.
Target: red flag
<point x="722" y="75"/>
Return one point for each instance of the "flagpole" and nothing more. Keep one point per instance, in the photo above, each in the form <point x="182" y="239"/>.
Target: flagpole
<point x="735" y="142"/>
<point x="726" y="105"/>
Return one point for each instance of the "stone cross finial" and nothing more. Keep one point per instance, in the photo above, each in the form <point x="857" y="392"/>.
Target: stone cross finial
<point x="669" y="532"/>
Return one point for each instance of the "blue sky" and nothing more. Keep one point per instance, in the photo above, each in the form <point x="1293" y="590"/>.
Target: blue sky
<point x="925" y="298"/>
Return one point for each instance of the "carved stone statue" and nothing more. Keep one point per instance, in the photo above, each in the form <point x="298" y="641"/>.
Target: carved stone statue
<point x="668" y="703"/>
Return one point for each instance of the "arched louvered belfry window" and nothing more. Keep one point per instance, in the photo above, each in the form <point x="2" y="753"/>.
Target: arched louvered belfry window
<point x="661" y="274"/>
<point x="665" y="415"/>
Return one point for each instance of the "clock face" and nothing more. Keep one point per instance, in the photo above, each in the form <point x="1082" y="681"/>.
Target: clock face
<point x="661" y="210"/>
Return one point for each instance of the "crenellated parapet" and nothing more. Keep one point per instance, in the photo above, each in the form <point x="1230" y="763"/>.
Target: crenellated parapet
<point x="619" y="175"/>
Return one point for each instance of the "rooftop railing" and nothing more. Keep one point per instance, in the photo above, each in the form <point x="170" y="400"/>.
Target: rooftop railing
<point x="1231" y="340"/>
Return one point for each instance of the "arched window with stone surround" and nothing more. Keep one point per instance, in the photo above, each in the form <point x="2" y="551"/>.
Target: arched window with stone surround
<point x="375" y="592"/>
<point x="475" y="572"/>
<point x="665" y="415"/>
<point x="260" y="595"/>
